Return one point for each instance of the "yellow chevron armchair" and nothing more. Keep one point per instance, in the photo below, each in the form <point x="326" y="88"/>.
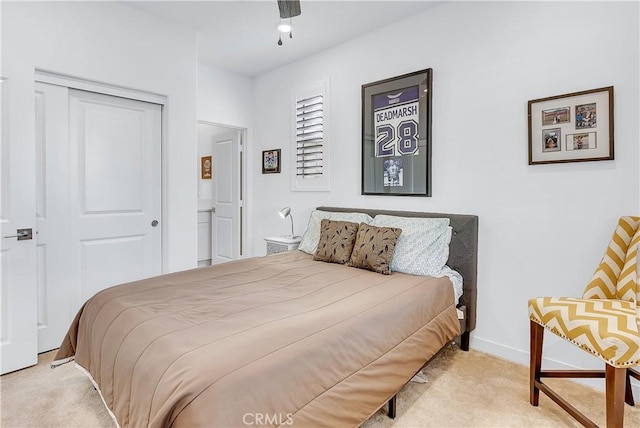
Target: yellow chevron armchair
<point x="604" y="322"/>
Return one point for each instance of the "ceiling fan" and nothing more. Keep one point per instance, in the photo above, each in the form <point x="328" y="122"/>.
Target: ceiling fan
<point x="288" y="9"/>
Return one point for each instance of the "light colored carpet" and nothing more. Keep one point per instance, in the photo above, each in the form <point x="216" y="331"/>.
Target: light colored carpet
<point x="465" y="389"/>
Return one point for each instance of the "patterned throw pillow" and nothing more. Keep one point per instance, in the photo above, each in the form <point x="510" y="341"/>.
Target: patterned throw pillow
<point x="336" y="241"/>
<point x="423" y="247"/>
<point x="311" y="236"/>
<point x="374" y="247"/>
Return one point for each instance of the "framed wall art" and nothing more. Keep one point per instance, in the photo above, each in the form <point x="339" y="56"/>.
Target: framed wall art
<point x="206" y="167"/>
<point x="271" y="161"/>
<point x="575" y="127"/>
<point x="396" y="135"/>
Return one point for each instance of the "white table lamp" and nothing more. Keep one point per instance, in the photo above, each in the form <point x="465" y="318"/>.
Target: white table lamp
<point x="284" y="213"/>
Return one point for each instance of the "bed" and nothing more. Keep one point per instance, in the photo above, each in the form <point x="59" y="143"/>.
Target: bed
<point x="267" y="341"/>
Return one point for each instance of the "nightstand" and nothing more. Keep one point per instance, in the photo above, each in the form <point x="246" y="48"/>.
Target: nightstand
<point x="279" y="244"/>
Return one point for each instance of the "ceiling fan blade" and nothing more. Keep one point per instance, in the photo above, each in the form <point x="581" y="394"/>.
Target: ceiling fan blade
<point x="289" y="8"/>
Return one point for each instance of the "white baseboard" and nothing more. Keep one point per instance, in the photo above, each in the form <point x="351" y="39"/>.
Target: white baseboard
<point x="522" y="357"/>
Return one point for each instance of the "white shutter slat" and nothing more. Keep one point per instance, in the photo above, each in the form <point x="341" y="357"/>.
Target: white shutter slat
<point x="309" y="129"/>
<point x="310" y="164"/>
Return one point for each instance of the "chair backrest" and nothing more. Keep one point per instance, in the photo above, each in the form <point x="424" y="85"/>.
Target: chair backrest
<point x="616" y="276"/>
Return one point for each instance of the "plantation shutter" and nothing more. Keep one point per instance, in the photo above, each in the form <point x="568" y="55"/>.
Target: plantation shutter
<point x="309" y="136"/>
<point x="310" y="142"/>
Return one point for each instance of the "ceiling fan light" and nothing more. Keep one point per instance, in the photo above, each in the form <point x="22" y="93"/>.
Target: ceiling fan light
<point x="284" y="28"/>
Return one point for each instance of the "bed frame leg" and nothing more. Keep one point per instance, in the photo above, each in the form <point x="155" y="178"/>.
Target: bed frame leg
<point x="464" y="340"/>
<point x="392" y="408"/>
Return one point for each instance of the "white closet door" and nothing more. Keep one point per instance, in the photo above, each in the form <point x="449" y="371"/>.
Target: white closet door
<point x="53" y="225"/>
<point x="98" y="193"/>
<point x="95" y="171"/>
<point x="115" y="191"/>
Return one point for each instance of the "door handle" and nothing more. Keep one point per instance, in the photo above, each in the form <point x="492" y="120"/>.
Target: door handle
<point x="154" y="223"/>
<point x="22" y="234"/>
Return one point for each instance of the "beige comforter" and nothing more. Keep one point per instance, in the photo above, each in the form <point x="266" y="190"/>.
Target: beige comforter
<point x="276" y="340"/>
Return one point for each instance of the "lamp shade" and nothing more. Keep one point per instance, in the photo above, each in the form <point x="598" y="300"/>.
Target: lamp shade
<point x="285" y="212"/>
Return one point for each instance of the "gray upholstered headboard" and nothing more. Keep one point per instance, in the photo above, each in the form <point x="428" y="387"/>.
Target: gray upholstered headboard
<point x="463" y="250"/>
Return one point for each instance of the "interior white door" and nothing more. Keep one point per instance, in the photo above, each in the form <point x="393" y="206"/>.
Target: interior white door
<point x="98" y="193"/>
<point x="53" y="222"/>
<point x="227" y="204"/>
<point x="18" y="337"/>
<point x="115" y="192"/>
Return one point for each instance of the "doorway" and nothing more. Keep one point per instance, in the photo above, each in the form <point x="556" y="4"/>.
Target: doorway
<point x="220" y="194"/>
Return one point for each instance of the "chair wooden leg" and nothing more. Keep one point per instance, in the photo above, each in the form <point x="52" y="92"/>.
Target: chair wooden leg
<point x="616" y="379"/>
<point x="537" y="333"/>
<point x="628" y="395"/>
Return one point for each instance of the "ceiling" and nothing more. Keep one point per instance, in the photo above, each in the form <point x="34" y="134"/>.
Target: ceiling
<point x="241" y="36"/>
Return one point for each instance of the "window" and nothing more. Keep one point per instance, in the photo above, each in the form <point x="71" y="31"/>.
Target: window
<point x="310" y="168"/>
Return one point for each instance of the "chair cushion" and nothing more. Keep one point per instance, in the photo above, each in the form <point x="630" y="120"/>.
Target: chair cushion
<point x="606" y="328"/>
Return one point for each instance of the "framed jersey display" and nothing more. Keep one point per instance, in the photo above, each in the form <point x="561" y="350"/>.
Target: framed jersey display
<point x="396" y="135"/>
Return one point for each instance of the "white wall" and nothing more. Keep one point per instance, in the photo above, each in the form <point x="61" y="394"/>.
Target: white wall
<point x="111" y="43"/>
<point x="226" y="98"/>
<point x="544" y="228"/>
<point x="205" y="148"/>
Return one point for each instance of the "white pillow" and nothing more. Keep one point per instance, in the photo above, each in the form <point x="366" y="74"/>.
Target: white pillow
<point x="423" y="246"/>
<point x="311" y="236"/>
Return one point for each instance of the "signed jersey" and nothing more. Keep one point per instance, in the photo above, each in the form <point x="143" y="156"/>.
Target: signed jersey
<point x="395" y="119"/>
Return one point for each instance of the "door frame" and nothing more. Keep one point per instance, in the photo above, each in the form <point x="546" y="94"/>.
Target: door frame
<point x="243" y="180"/>
<point x="72" y="82"/>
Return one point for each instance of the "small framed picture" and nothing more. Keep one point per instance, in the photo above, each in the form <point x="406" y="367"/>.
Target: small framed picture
<point x="393" y="172"/>
<point x="206" y="167"/>
<point x="575" y="127"/>
<point x="581" y="141"/>
<point x="556" y="115"/>
<point x="586" y="116"/>
<point x="271" y="161"/>
<point x="551" y="141"/>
